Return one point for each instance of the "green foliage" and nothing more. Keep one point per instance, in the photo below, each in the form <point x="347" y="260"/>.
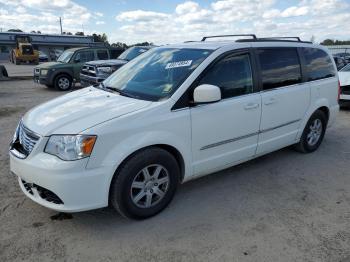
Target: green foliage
<point x="125" y="46"/>
<point x="100" y="38"/>
<point x="119" y="44"/>
<point x="335" y="42"/>
<point x="14" y="30"/>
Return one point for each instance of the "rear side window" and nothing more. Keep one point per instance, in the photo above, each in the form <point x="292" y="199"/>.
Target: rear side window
<point x="232" y="74"/>
<point x="279" y="67"/>
<point x="102" y="54"/>
<point x="318" y="64"/>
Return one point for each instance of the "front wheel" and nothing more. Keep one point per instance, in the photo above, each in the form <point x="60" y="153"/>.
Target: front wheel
<point x="63" y="82"/>
<point x="145" y="184"/>
<point x="313" y="133"/>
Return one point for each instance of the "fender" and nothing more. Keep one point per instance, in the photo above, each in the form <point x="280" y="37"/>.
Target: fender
<point x="57" y="71"/>
<point x="118" y="140"/>
<point x="321" y="102"/>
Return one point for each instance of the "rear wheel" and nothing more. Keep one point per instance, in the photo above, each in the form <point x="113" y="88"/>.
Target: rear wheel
<point x="145" y="184"/>
<point x="63" y="82"/>
<point x="313" y="133"/>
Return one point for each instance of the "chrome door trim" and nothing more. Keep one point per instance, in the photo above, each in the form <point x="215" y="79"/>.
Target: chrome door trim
<point x="223" y="142"/>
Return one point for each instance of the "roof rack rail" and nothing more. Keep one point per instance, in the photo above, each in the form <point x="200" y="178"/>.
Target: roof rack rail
<point x="282" y="38"/>
<point x="275" y="39"/>
<point x="216" y="36"/>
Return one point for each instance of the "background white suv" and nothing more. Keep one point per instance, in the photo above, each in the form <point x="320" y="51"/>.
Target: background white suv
<point x="173" y="114"/>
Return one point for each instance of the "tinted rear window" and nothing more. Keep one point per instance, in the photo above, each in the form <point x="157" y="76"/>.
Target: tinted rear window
<point x="318" y="64"/>
<point x="279" y="67"/>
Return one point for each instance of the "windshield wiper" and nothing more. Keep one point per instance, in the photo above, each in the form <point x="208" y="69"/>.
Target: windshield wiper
<point x="121" y="92"/>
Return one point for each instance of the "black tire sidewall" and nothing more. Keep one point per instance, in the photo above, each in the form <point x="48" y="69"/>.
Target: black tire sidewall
<point x="57" y="78"/>
<point x="317" y="115"/>
<point x="122" y="184"/>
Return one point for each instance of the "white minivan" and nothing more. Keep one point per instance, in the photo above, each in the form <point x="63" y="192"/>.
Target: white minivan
<point x="173" y="114"/>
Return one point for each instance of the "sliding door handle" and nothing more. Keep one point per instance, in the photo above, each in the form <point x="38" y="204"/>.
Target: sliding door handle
<point x="270" y="101"/>
<point x="251" y="106"/>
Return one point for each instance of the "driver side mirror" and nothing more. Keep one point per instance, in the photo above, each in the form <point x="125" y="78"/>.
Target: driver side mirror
<point x="206" y="94"/>
<point x="76" y="60"/>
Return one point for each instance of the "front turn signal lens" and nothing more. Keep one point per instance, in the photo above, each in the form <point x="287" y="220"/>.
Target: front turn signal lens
<point x="87" y="145"/>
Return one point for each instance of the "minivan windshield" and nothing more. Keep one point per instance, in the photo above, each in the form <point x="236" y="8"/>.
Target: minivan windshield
<point x="156" y="74"/>
<point x="65" y="56"/>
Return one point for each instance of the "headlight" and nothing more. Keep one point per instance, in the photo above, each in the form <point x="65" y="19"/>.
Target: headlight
<point x="105" y="69"/>
<point x="43" y="72"/>
<point x="70" y="147"/>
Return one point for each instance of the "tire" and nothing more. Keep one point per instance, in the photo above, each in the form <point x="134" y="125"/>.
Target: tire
<point x="134" y="195"/>
<point x="313" y="133"/>
<point x="63" y="82"/>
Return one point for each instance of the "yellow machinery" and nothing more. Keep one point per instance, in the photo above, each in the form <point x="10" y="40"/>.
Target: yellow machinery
<point x="24" y="51"/>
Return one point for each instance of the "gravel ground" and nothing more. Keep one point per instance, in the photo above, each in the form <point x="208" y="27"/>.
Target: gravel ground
<point x="284" y="206"/>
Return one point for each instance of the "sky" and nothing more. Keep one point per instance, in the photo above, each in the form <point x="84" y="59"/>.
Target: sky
<point x="162" y="22"/>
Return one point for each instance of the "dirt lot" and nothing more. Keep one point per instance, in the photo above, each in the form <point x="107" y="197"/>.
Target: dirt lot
<point x="281" y="207"/>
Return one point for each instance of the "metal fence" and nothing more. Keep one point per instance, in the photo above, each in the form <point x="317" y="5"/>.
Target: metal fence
<point x="337" y="49"/>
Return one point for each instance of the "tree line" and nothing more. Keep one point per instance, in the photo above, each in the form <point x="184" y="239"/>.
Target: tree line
<point x="335" y="42"/>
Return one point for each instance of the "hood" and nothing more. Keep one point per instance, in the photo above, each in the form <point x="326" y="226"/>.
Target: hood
<point x="50" y="64"/>
<point x="344" y="78"/>
<point x="112" y="62"/>
<point x="79" y="110"/>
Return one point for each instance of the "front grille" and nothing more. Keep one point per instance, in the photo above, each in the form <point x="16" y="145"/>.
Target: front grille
<point x="23" y="141"/>
<point x="88" y="70"/>
<point x="27" y="139"/>
<point x="43" y="192"/>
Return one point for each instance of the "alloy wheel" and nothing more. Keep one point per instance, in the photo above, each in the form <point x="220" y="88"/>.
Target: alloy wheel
<point x="315" y="132"/>
<point x="150" y="186"/>
<point x="63" y="83"/>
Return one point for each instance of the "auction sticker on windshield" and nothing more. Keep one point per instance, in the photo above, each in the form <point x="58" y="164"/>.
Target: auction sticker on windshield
<point x="178" y="64"/>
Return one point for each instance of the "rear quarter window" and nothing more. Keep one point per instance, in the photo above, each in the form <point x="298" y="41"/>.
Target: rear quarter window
<point x="318" y="64"/>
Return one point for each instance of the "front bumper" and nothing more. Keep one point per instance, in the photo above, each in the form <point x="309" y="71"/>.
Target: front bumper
<point x="345" y="92"/>
<point x="41" y="80"/>
<point x="345" y="97"/>
<point x="77" y="187"/>
<point x="90" y="80"/>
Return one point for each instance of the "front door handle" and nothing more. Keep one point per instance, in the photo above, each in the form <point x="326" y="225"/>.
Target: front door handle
<point x="251" y="106"/>
<point x="271" y="101"/>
